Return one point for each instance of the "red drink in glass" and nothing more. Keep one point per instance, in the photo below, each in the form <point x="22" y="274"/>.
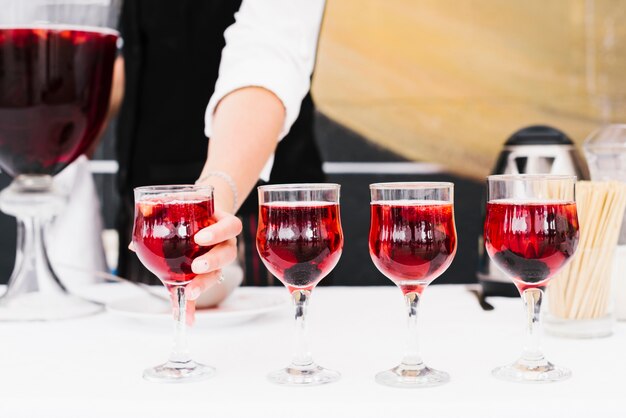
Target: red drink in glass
<point x="531" y="241"/>
<point x="300" y="242"/>
<point x="166" y="220"/>
<point x="163" y="234"/>
<point x="531" y="231"/>
<point x="412" y="243"/>
<point x="54" y="95"/>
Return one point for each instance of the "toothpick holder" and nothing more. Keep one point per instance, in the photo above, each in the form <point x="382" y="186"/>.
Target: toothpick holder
<point x="580" y="303"/>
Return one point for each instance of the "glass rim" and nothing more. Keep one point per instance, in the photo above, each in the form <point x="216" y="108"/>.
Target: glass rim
<point x="299" y="186"/>
<point x="605" y="126"/>
<point x="411" y="185"/>
<point x="108" y="30"/>
<point x="173" y="188"/>
<point x="531" y="177"/>
<point x="592" y="146"/>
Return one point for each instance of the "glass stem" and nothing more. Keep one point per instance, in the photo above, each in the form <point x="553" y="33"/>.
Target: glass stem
<point x="33" y="271"/>
<point x="180" y="349"/>
<point x="302" y="356"/>
<point x="532" y="302"/>
<point x="412" y="357"/>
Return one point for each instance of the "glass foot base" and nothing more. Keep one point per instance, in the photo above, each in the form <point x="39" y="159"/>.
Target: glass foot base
<point x="405" y="376"/>
<point x="537" y="372"/>
<point x="173" y="372"/>
<point x="36" y="306"/>
<point x="303" y="376"/>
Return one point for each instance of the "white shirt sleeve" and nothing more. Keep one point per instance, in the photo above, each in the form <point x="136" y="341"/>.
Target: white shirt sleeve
<point x="272" y="44"/>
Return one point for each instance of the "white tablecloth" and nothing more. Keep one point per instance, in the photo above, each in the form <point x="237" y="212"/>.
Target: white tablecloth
<point x="92" y="367"/>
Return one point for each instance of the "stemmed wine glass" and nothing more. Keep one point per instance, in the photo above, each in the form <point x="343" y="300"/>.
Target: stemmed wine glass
<point x="412" y="241"/>
<point x="166" y="220"/>
<point x="56" y="70"/>
<point x="531" y="231"/>
<point x="300" y="241"/>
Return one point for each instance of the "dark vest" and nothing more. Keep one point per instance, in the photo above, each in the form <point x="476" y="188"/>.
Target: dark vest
<point x="172" y="53"/>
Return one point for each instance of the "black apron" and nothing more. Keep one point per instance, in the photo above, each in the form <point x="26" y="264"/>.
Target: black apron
<point x="172" y="53"/>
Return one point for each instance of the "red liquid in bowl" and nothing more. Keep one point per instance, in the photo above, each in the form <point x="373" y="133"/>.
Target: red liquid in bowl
<point x="299" y="243"/>
<point x="412" y="243"/>
<point x="532" y="241"/>
<point x="163" y="234"/>
<point x="55" y="85"/>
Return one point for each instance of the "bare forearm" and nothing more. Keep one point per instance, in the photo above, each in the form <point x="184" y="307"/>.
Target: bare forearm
<point x="117" y="87"/>
<point x="246" y="127"/>
<point x="115" y="101"/>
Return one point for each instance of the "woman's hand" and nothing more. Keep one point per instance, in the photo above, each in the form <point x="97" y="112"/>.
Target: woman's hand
<point x="222" y="236"/>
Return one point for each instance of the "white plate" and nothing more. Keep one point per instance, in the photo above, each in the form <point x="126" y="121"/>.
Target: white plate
<point x="243" y="305"/>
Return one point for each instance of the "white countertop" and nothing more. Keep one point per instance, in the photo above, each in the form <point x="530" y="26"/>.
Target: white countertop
<point x="92" y="367"/>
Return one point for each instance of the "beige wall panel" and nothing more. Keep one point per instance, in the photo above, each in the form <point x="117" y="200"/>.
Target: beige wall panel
<point x="449" y="80"/>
